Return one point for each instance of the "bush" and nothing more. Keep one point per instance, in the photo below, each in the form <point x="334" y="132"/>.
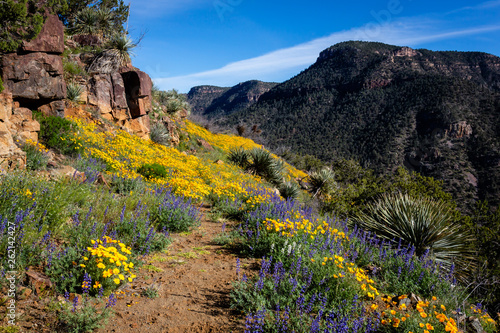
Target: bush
<point x="73" y="92"/>
<point x="322" y="182"/>
<point x="36" y="155"/>
<point x="264" y="165"/>
<point x="175" y="214"/>
<point x="239" y="157"/>
<point x="159" y="134"/>
<point x="58" y="133"/>
<point x="151" y="171"/>
<point x="289" y="190"/>
<point x="71" y="69"/>
<point x="1" y="85"/>
<point x="423" y="223"/>
<point x="85" y="317"/>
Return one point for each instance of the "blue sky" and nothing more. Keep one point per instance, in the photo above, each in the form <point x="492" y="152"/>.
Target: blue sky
<point x="224" y="42"/>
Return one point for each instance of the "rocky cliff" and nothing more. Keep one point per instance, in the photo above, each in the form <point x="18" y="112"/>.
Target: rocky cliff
<point x="212" y="102"/>
<point x="34" y="79"/>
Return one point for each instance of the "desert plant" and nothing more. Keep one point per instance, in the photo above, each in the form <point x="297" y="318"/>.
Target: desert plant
<point x="58" y="133"/>
<point x="71" y="68"/>
<point x="263" y="164"/>
<point x="154" y="170"/>
<point x="73" y="92"/>
<point x="289" y="190"/>
<point x="122" y="46"/>
<point x="1" y="85"/>
<point x="321" y="182"/>
<point x="239" y="157"/>
<point x="176" y="214"/>
<point x="423" y="223"/>
<point x="159" y="134"/>
<point x="87" y="21"/>
<point x="36" y="155"/>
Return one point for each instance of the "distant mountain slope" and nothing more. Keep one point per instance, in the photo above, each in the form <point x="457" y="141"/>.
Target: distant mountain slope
<point x="386" y="106"/>
<point x="211" y="101"/>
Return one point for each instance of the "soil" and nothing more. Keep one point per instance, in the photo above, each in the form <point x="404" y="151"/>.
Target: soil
<point x="189" y="284"/>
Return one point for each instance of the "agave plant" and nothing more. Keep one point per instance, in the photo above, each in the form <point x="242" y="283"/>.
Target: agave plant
<point x="122" y="45"/>
<point x="73" y="92"/>
<point x="322" y="182"/>
<point x="264" y="165"/>
<point x="423" y="223"/>
<point x="289" y="190"/>
<point x="159" y="134"/>
<point x="87" y="21"/>
<point x="239" y="157"/>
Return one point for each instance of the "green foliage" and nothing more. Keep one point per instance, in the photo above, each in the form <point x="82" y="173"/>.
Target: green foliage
<point x="122" y="45"/>
<point x="1" y="85"/>
<point x="123" y="185"/>
<point x="150" y="292"/>
<point x="239" y="157"/>
<point x="23" y="20"/>
<point x="84" y="318"/>
<point x="73" y="92"/>
<point x="322" y="183"/>
<point x="265" y="166"/>
<point x="425" y="224"/>
<point x="159" y="134"/>
<point x="72" y="69"/>
<point x="36" y="156"/>
<point x="154" y="170"/>
<point x="104" y="18"/>
<point x="289" y="190"/>
<point x="57" y="133"/>
<point x="175" y="215"/>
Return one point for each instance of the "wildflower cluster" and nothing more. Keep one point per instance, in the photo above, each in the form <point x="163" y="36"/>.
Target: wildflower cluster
<point x="108" y="264"/>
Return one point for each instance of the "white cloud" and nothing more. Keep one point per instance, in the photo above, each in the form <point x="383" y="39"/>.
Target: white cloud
<point x="293" y="59"/>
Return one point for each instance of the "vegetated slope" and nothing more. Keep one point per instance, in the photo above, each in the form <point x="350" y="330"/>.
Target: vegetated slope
<point x="387" y="106"/>
<point x="211" y="101"/>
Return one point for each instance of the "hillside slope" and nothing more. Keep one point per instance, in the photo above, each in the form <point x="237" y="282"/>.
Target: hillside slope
<point x="388" y="106"/>
<point x="211" y="101"/>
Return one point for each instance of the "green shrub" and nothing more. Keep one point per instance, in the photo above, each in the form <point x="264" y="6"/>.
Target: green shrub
<point x="1" y="85"/>
<point x="322" y="182"/>
<point x="423" y="223"/>
<point x="239" y="157"/>
<point x="71" y="69"/>
<point x="58" y="133"/>
<point x="159" y="134"/>
<point x="289" y="190"/>
<point x="150" y="171"/>
<point x="36" y="155"/>
<point x="265" y="166"/>
<point x="73" y="92"/>
<point x="175" y="214"/>
<point x="123" y="185"/>
<point x="84" y="317"/>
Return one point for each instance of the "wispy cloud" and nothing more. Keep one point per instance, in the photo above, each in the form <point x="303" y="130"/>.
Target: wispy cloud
<point x="293" y="59"/>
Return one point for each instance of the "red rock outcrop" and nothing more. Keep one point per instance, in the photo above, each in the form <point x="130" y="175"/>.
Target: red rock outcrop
<point x="49" y="40"/>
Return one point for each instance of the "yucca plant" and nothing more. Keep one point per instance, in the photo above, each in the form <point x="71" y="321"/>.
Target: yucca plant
<point x="159" y="134"/>
<point x="321" y="183"/>
<point x="289" y="190"/>
<point x="239" y="157"/>
<point x="263" y="164"/>
<point x="87" y="21"/>
<point x="122" y="45"/>
<point x="423" y="223"/>
<point x="73" y="92"/>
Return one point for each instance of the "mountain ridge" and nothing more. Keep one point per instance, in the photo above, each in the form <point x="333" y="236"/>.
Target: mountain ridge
<point x="387" y="106"/>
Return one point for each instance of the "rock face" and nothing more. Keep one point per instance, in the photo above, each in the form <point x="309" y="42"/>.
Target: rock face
<point x="34" y="75"/>
<point x="124" y="98"/>
<point x="49" y="40"/>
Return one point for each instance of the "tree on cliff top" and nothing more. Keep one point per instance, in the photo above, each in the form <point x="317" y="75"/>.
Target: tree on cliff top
<point x="23" y="19"/>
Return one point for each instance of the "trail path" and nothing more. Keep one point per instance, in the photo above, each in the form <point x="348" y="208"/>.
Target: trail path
<point x="193" y="278"/>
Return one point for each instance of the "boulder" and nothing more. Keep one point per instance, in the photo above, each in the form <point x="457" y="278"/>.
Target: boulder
<point x="50" y="39"/>
<point x="139" y="126"/>
<point x="34" y="76"/>
<point x="55" y="108"/>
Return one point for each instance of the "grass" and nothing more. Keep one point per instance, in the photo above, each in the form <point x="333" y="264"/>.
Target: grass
<point x="152" y="268"/>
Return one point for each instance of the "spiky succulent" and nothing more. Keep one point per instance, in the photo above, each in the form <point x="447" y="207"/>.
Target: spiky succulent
<point x="159" y="134"/>
<point x="423" y="223"/>
<point x="239" y="157"/>
<point x="263" y="164"/>
<point x="289" y="190"/>
<point x="321" y="183"/>
<point x="73" y="92"/>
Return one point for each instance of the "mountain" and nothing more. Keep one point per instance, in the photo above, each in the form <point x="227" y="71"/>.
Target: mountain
<point x="388" y="106"/>
<point x="211" y="101"/>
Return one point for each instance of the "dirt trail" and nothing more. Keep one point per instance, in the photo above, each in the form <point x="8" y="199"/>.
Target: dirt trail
<point x="193" y="285"/>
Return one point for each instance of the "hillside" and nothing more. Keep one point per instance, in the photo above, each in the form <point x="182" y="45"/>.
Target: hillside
<point x="389" y="106"/>
<point x="210" y="101"/>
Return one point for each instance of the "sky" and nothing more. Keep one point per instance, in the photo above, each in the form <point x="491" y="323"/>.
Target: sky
<point x="187" y="43"/>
